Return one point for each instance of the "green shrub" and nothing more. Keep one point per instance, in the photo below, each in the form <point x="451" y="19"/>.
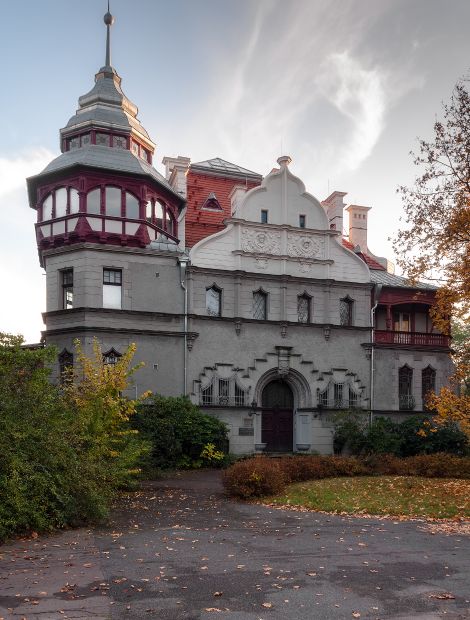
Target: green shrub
<point x="63" y="452"/>
<point x="256" y="477"/>
<point x="416" y="435"/>
<point x="179" y="433"/>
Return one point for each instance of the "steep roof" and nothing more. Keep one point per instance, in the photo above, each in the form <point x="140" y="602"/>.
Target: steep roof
<point x="390" y="279"/>
<point x="217" y="165"/>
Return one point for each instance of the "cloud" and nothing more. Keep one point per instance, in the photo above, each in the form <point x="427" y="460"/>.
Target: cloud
<point x="14" y="171"/>
<point x="358" y="94"/>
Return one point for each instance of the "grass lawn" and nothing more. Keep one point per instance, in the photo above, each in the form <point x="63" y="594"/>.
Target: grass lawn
<point x="442" y="498"/>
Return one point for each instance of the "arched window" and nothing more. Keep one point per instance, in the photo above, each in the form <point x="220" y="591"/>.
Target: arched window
<point x="346" y="311"/>
<point x="93" y="201"/>
<point x="111" y="357"/>
<point x="47" y="208"/>
<point x="428" y="383"/>
<point x="60" y="202"/>
<point x="159" y="214"/>
<point x="113" y="201"/>
<point x="303" y="308"/>
<point x="149" y="212"/>
<point x="74" y="201"/>
<point x="260" y="305"/>
<point x="405" y="388"/>
<point x="65" y="365"/>
<point x="214" y="301"/>
<point x="132" y="207"/>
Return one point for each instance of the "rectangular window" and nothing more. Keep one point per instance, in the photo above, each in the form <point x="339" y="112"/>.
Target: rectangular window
<point x="264" y="216"/>
<point x="112" y="288"/>
<point x="213" y="301"/>
<point x="67" y="289"/>
<point x="302" y="221"/>
<point x="401" y="322"/>
<point x="346" y="311"/>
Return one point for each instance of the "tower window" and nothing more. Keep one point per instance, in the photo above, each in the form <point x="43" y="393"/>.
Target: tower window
<point x="346" y="311"/>
<point x="260" y="305"/>
<point x="65" y="366"/>
<point x="67" y="288"/>
<point x="47" y="208"/>
<point x="93" y="201"/>
<point x="74" y="201"/>
<point x="112" y="288"/>
<point x="60" y="202"/>
<point x="302" y="221"/>
<point x="119" y="142"/>
<point x="132" y="207"/>
<point x="113" y="201"/>
<point x="102" y="139"/>
<point x="264" y="216"/>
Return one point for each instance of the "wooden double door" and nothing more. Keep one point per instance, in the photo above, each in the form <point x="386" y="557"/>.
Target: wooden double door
<point x="277" y="417"/>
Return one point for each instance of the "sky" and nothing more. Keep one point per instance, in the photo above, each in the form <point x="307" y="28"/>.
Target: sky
<point x="345" y="87"/>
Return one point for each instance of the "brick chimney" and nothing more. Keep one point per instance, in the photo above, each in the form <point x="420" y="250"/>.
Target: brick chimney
<point x="175" y="172"/>
<point x="334" y="206"/>
<point x="358" y="226"/>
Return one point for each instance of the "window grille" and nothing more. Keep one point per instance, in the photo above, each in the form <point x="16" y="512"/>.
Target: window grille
<point x="260" y="305"/>
<point x="405" y="388"/>
<point x="345" y="311"/>
<point x="111" y="357"/>
<point x="428" y="383"/>
<point x="303" y="308"/>
<point x="224" y="392"/>
<point x="338" y="395"/>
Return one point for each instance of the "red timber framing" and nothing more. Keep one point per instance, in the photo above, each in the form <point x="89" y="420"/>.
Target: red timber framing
<point x="200" y="222"/>
<point x="402" y="320"/>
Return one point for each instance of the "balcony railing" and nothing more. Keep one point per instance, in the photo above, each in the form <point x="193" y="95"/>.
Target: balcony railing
<point x="411" y="338"/>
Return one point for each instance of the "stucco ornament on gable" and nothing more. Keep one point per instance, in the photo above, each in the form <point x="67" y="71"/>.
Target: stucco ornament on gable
<point x="261" y="241"/>
<point x="304" y="246"/>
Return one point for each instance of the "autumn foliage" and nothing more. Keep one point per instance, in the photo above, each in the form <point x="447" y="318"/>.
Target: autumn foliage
<point x="435" y="242"/>
<point x="64" y="450"/>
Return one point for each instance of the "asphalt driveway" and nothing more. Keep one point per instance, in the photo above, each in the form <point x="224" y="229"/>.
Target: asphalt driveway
<point x="179" y="550"/>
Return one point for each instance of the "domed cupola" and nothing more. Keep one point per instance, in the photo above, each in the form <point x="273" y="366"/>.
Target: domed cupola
<point x="103" y="187"/>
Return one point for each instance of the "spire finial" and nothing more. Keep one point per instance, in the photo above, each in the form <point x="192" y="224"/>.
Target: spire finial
<point x="109" y="21"/>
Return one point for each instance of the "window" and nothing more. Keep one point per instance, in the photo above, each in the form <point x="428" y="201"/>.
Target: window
<point x="224" y="391"/>
<point x="213" y="301"/>
<point x="159" y="214"/>
<point x="113" y="201"/>
<point x="149" y="212"/>
<point x="111" y="357"/>
<point x="302" y="221"/>
<point x="405" y="388"/>
<point x="65" y="366"/>
<point x="119" y="142"/>
<point x="102" y="139"/>
<point x="401" y="322"/>
<point x="93" y="201"/>
<point x="338" y="395"/>
<point x="264" y="216"/>
<point x="47" y="208"/>
<point x="428" y="383"/>
<point x="303" y="308"/>
<point x="112" y="288"/>
<point x="132" y="207"/>
<point x="260" y="305"/>
<point x="346" y="311"/>
<point x="67" y="288"/>
<point x="74" y="201"/>
<point x="60" y="202"/>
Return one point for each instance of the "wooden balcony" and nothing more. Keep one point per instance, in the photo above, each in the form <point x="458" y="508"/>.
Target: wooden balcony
<point x="411" y="339"/>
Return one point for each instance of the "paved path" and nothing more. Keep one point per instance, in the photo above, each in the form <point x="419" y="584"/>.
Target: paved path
<point x="178" y="550"/>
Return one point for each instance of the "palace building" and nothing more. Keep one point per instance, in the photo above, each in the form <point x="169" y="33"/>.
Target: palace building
<point x="238" y="289"/>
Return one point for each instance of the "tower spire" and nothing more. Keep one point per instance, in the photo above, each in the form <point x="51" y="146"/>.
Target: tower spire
<point x="109" y="21"/>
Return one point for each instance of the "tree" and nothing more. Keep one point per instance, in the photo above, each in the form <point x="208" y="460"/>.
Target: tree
<point x="435" y="244"/>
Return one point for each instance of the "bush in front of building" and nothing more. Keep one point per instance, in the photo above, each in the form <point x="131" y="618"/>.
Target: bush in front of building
<point x="262" y="476"/>
<point x="180" y="435"/>
<point x="416" y="435"/>
<point x="64" y="451"/>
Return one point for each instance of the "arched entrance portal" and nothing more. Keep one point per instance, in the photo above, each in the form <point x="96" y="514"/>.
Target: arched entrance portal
<point x="277" y="402"/>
